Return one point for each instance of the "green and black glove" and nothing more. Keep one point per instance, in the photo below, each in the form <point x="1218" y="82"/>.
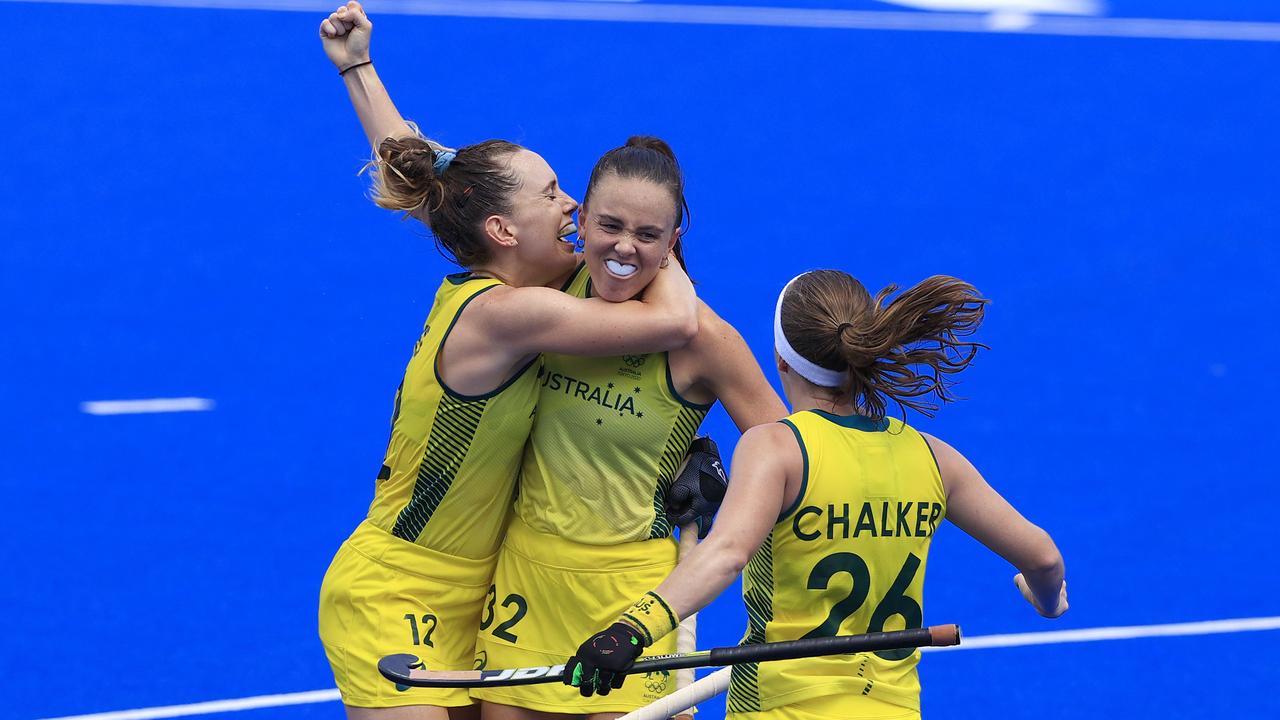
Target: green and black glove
<point x="602" y="662"/>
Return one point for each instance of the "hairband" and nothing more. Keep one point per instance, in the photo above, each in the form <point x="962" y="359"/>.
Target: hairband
<point x="443" y="158"/>
<point x="806" y="368"/>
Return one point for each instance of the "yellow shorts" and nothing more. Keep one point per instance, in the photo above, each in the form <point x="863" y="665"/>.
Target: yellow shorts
<point x="383" y="595"/>
<point x="550" y="594"/>
<point x="833" y="707"/>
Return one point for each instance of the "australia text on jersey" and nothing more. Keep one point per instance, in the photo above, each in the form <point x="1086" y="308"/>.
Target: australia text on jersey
<point x="608" y="397"/>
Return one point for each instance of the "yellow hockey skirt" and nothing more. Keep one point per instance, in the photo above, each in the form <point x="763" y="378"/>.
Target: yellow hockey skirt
<point x="833" y="707"/>
<point x="549" y="595"/>
<point x="384" y="595"/>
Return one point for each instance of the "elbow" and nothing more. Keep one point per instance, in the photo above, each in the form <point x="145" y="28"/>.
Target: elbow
<point x="727" y="556"/>
<point x="734" y="559"/>
<point x="1047" y="564"/>
<point x="684" y="328"/>
<point x="1045" y="559"/>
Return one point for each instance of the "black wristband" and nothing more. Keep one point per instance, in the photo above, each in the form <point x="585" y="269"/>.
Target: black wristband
<point x="344" y="70"/>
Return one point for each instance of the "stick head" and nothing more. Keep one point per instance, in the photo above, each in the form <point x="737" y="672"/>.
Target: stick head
<point x="398" y="668"/>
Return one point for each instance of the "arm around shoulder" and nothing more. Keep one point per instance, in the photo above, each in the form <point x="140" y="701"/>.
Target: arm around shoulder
<point x="539" y="319"/>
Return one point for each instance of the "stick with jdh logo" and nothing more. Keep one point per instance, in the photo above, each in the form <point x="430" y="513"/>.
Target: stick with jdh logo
<point x="408" y="670"/>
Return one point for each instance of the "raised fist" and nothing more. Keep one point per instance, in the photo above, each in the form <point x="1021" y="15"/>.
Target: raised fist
<point x="345" y="35"/>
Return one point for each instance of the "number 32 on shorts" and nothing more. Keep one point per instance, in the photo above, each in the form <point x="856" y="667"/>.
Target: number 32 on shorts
<point x="516" y="607"/>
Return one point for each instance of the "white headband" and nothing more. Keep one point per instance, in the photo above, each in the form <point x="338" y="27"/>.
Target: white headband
<point x="807" y="369"/>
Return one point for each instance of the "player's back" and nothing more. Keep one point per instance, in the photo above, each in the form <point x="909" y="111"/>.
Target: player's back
<point x="847" y="557"/>
<point x="449" y="474"/>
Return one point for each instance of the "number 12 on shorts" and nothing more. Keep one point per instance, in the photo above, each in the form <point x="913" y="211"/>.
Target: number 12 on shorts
<point x="895" y="601"/>
<point x="427" y="627"/>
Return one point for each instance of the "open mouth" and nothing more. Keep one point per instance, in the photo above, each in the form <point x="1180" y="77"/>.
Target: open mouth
<point x="618" y="269"/>
<point x="567" y="232"/>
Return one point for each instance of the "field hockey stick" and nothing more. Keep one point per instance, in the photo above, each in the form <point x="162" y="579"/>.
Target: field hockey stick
<point x="687" y="632"/>
<point x="408" y="670"/>
<point x="675" y="704"/>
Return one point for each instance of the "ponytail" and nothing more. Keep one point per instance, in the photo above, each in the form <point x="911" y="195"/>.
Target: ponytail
<point x="450" y="195"/>
<point x="901" y="350"/>
<point x="404" y="176"/>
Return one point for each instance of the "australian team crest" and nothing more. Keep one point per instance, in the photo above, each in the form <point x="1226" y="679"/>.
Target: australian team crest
<point x="632" y="366"/>
<point x="656" y="682"/>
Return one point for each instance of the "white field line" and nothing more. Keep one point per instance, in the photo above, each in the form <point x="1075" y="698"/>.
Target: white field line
<point x="149" y="405"/>
<point x="1024" y="7"/>
<point x="214" y="706"/>
<point x="817" y="18"/>
<point x="1209" y="627"/>
<point x="981" y="642"/>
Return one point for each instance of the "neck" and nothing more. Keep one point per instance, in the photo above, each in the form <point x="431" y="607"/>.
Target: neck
<point x="559" y="282"/>
<point x="805" y="395"/>
<point x="501" y="271"/>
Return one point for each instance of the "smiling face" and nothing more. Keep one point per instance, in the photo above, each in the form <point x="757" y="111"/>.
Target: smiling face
<point x="541" y="217"/>
<point x="628" y="227"/>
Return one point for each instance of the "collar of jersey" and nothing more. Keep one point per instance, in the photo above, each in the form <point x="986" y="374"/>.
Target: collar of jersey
<point x="856" y="422"/>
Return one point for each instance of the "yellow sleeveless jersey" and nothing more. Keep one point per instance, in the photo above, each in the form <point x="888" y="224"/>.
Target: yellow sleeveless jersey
<point x="449" y="475"/>
<point x="609" y="436"/>
<point x="847" y="557"/>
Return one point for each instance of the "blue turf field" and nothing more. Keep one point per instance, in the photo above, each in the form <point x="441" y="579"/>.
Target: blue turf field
<point x="181" y="217"/>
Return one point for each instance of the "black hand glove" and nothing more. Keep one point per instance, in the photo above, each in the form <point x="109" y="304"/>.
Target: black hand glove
<point x="696" y="493"/>
<point x="602" y="661"/>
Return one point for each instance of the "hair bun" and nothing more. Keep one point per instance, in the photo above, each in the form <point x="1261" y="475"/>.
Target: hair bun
<point x="423" y="154"/>
<point x="650" y="142"/>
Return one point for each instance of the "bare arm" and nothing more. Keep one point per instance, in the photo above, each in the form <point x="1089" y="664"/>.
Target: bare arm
<point x="537" y="319"/>
<point x="767" y="469"/>
<point x="345" y="35"/>
<point x="976" y="508"/>
<point x="725" y="367"/>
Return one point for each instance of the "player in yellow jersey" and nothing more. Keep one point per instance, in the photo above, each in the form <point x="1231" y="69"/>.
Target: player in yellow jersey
<point x="413" y="576"/>
<point x="590" y="529"/>
<point x="635" y="443"/>
<point x="831" y="511"/>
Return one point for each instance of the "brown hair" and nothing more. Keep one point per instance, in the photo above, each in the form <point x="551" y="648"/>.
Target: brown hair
<point x="830" y="319"/>
<point x="647" y="158"/>
<point x="476" y="184"/>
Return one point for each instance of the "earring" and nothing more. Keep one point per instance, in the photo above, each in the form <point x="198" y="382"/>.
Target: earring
<point x="666" y="260"/>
